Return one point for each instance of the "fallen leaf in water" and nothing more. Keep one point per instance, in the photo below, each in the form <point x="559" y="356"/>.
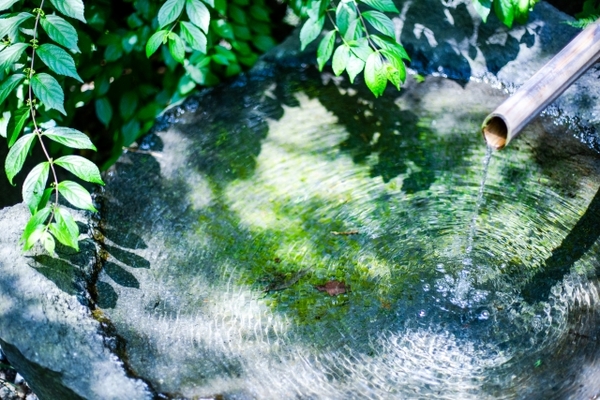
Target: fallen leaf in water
<point x="333" y="288"/>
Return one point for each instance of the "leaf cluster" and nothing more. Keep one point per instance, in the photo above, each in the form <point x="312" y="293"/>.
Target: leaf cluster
<point x="507" y="11"/>
<point x="589" y="14"/>
<point x="212" y="40"/>
<point x="22" y="59"/>
<point x="118" y="77"/>
<point x="72" y="75"/>
<point x="365" y="39"/>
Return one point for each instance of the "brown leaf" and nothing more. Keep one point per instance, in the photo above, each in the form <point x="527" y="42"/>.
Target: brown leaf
<point x="333" y="288"/>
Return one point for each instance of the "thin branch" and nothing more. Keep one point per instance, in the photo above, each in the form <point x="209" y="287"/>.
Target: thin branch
<point x="32" y="112"/>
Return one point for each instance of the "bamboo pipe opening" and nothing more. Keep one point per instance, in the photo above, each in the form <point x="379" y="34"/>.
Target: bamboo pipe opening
<point x="495" y="131"/>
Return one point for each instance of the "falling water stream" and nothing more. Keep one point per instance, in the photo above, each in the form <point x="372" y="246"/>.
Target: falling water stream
<point x="473" y="226"/>
<point x="297" y="183"/>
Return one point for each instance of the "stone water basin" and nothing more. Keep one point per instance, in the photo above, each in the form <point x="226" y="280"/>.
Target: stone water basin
<point x="225" y="230"/>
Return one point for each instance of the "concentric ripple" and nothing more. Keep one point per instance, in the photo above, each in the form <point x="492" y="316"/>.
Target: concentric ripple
<point x="451" y="290"/>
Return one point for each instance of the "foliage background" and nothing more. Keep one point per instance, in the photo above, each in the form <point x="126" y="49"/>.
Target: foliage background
<point x="72" y="72"/>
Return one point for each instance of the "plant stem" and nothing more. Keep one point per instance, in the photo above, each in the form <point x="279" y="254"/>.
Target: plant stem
<point x="364" y="24"/>
<point x="36" y="129"/>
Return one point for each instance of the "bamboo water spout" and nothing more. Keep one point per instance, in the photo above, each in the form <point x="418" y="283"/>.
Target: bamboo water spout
<point x="507" y="121"/>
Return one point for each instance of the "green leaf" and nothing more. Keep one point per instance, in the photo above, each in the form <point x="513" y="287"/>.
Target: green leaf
<point x="130" y="132"/>
<point x="361" y="48"/>
<point x="198" y="14"/>
<point x="263" y="43"/>
<point x="381" y="5"/>
<point x="4" y="121"/>
<point x="310" y="31"/>
<point x="45" y="197"/>
<point x="58" y="60"/>
<point x="483" y="8"/>
<point x="340" y="59"/>
<point x="325" y="49"/>
<point x="395" y="60"/>
<point x="65" y="228"/>
<point x="353" y="33"/>
<point x="238" y="15"/>
<point x="233" y="69"/>
<point x="344" y="16"/>
<point x="101" y="84"/>
<point x="36" y="235"/>
<point x="128" y="104"/>
<point x="176" y="47"/>
<point x="194" y="36"/>
<point x="48" y="91"/>
<point x="354" y="67"/>
<point x="15" y="125"/>
<point x="81" y="167"/>
<point x="261" y="28"/>
<point x="260" y="13"/>
<point x="104" y="110"/>
<point x="113" y="52"/>
<point x="37" y="223"/>
<point x="130" y="41"/>
<point x="16" y="156"/>
<point x="223" y="29"/>
<point x="9" y="85"/>
<point x="242" y="47"/>
<point x="155" y="41"/>
<point x="505" y="11"/>
<point x="11" y="24"/>
<point x="220" y="59"/>
<point x="317" y="9"/>
<point x="70" y="8"/>
<point x="241" y="32"/>
<point x="393" y="75"/>
<point x="380" y="22"/>
<point x="390" y="45"/>
<point x="521" y="8"/>
<point x="48" y="242"/>
<point x="60" y="31"/>
<point x="34" y="185"/>
<point x="6" y="4"/>
<point x="69" y="137"/>
<point x="77" y="195"/>
<point x="375" y="75"/>
<point x="169" y="12"/>
<point x="11" y="55"/>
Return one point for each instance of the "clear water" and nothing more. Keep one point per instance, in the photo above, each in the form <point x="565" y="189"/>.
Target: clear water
<point x="465" y="279"/>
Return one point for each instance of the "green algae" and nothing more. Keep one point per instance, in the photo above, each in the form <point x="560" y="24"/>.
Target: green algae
<point x="330" y="186"/>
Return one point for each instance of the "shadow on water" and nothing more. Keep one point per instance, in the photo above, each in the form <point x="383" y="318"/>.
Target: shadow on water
<point x="400" y="140"/>
<point x="384" y="269"/>
<point x="580" y="239"/>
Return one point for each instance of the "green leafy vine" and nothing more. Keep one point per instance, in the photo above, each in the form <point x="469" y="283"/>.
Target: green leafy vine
<point x="377" y="54"/>
<point x="49" y="219"/>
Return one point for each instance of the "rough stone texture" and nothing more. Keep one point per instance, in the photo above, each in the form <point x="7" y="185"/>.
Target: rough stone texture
<point x="453" y="42"/>
<point x="186" y="329"/>
<point x="46" y="329"/>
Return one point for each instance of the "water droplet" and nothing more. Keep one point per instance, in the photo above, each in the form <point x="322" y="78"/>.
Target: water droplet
<point x="483" y="315"/>
<point x="440" y="268"/>
<point x="422" y="313"/>
<point x="426" y="287"/>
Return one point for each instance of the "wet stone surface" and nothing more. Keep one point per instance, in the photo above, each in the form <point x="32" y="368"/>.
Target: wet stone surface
<point x="287" y="235"/>
<point x="225" y="230"/>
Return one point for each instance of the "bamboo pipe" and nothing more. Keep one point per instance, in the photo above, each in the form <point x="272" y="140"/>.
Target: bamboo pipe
<point x="506" y="122"/>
